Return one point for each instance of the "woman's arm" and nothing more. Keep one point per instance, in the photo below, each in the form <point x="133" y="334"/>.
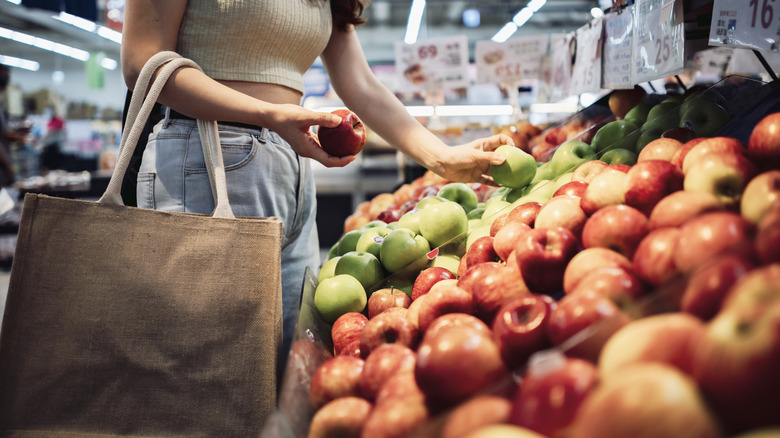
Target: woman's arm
<point x="358" y="87"/>
<point x="152" y="26"/>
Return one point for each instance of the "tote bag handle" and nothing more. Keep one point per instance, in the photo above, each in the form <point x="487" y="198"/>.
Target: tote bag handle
<point x="148" y="89"/>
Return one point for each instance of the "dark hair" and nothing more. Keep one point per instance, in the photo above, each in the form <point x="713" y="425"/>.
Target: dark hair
<point x="346" y="12"/>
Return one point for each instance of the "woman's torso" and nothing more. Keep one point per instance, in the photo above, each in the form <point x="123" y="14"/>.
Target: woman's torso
<point x="258" y="47"/>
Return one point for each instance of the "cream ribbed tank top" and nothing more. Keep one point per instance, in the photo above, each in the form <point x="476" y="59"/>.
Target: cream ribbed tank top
<point x="273" y="41"/>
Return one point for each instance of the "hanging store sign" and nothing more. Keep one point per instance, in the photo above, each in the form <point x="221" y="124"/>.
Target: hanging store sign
<point x="616" y="70"/>
<point x="432" y="64"/>
<point x="659" y="39"/>
<point x="586" y="71"/>
<point x="510" y="62"/>
<point x="750" y="24"/>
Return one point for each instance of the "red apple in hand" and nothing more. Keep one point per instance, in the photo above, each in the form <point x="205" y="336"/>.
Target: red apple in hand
<point x="542" y="255"/>
<point x="385" y="298"/>
<point x="520" y="328"/>
<point x="347" y="138"/>
<point x="551" y="393"/>
<point x="764" y="143"/>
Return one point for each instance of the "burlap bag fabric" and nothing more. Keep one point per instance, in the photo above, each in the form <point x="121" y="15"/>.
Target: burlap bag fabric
<point x="133" y="322"/>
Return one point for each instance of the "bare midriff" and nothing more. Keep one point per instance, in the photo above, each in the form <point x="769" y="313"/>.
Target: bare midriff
<point x="272" y="93"/>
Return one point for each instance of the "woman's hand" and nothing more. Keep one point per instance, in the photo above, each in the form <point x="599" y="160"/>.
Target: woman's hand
<point x="294" y="123"/>
<point x="471" y="162"/>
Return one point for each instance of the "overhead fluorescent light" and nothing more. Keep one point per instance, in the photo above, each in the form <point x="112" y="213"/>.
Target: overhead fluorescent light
<point x="73" y="20"/>
<point x="13" y="61"/>
<point x="535" y="5"/>
<point x="507" y="31"/>
<point x="521" y="17"/>
<point x="596" y="12"/>
<point x="415" y="19"/>
<point x="41" y="43"/>
<point x="89" y="26"/>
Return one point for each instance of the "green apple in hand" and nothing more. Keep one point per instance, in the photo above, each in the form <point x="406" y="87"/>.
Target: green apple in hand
<point x="570" y="155"/>
<point x="619" y="156"/>
<point x="402" y="247"/>
<point x="615" y="134"/>
<point x="371" y="240"/>
<point x="361" y="265"/>
<point x="517" y="170"/>
<point x="461" y="193"/>
<point x="338" y="295"/>
<point x="443" y="222"/>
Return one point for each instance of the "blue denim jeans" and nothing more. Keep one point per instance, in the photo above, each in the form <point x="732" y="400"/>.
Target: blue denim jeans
<point x="265" y="177"/>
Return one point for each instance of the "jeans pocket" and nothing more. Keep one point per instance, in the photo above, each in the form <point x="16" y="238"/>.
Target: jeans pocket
<point x="145" y="190"/>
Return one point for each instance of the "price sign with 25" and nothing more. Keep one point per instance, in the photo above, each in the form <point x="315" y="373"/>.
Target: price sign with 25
<point x="751" y="24"/>
<point x="658" y="49"/>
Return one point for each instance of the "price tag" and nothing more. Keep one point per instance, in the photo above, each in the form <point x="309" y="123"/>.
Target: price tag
<point x="658" y="45"/>
<point x="432" y="64"/>
<point x="586" y="71"/>
<point x="561" y="50"/>
<point x="616" y="70"/>
<point x="511" y="61"/>
<point x="750" y="24"/>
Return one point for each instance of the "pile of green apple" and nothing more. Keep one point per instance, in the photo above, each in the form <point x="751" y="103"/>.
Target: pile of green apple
<point x="556" y="310"/>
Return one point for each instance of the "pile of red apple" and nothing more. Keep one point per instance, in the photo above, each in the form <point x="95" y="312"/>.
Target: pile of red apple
<point x="635" y="300"/>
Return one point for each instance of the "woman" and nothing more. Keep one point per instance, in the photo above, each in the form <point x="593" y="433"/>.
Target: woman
<point x="253" y="54"/>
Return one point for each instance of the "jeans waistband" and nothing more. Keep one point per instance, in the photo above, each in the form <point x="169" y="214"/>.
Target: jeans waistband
<point x="177" y="115"/>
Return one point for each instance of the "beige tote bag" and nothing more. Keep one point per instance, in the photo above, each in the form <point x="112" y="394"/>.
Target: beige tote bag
<point x="133" y="322"/>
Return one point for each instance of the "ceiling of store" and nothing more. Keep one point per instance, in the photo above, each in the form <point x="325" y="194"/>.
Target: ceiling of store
<point x="386" y="24"/>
